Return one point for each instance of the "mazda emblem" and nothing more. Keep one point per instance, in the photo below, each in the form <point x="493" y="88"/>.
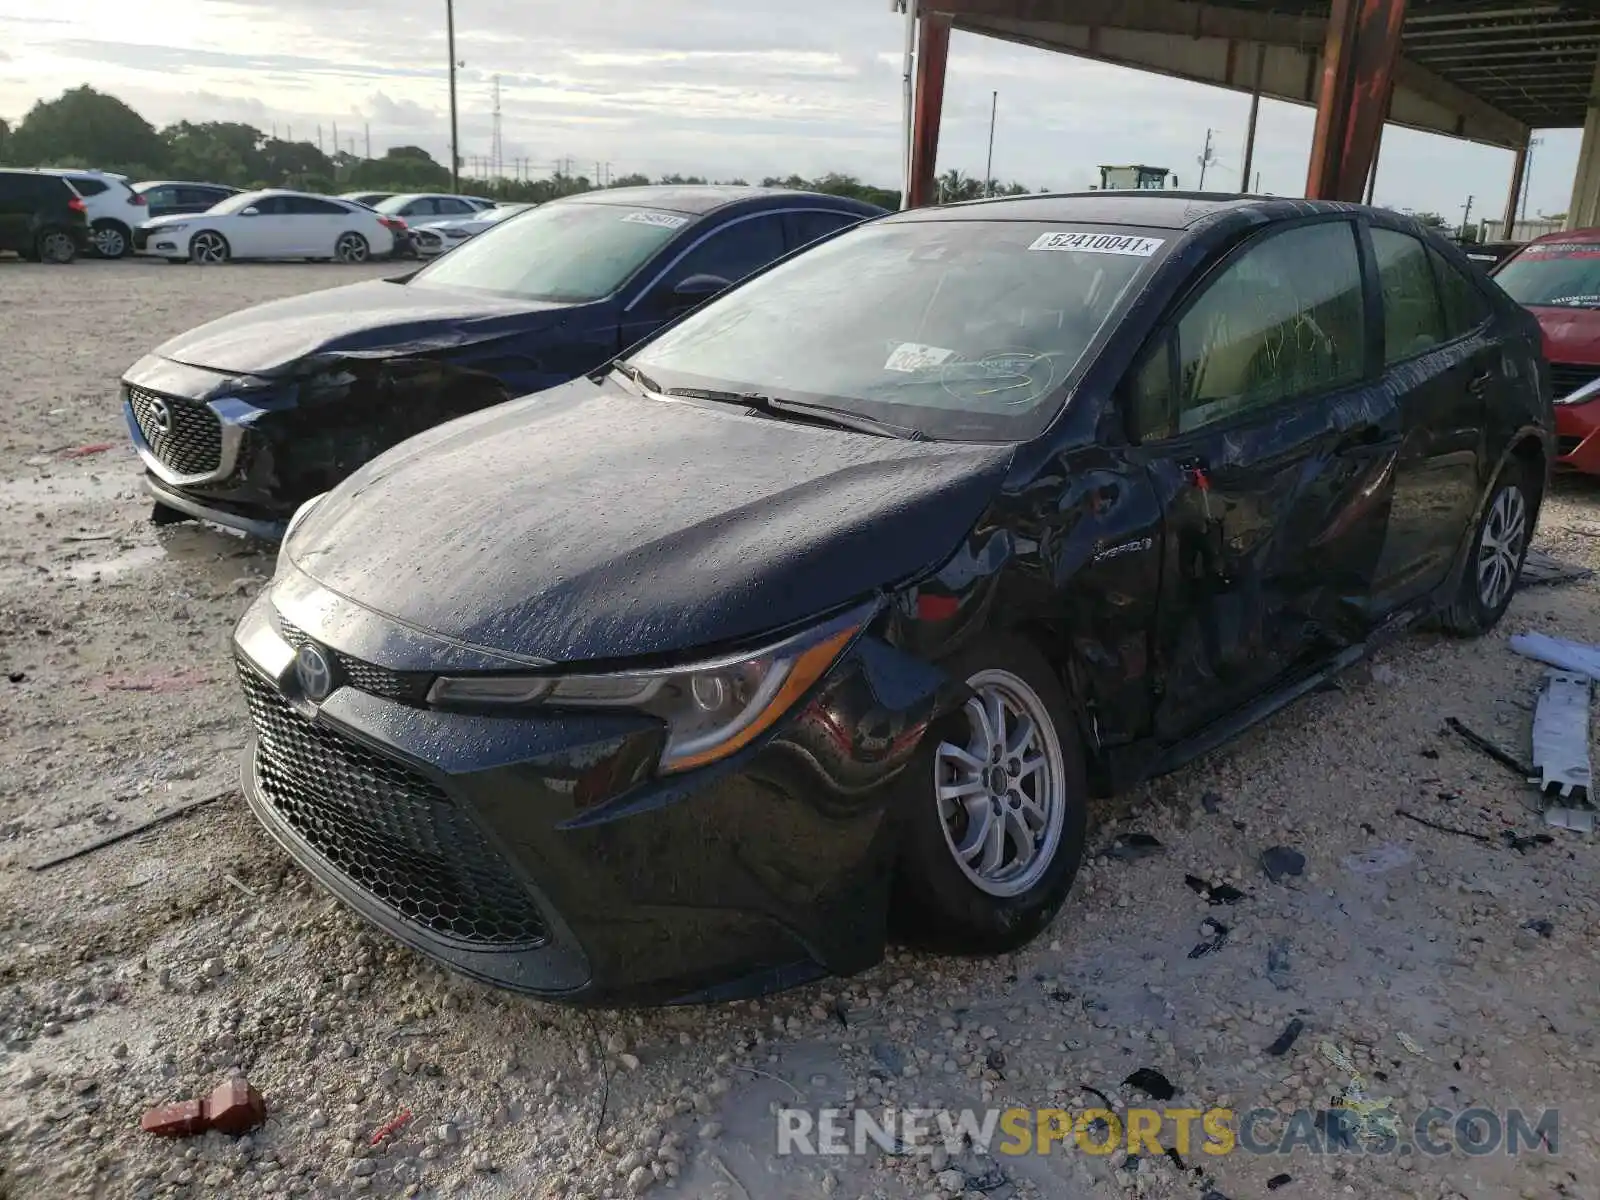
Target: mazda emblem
<point x="161" y="417"/>
<point x="314" y="671"/>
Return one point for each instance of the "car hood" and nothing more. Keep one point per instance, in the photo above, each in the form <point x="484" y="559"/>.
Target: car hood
<point x="375" y="318"/>
<point x="169" y="219"/>
<point x="1571" y="335"/>
<point x="587" y="523"/>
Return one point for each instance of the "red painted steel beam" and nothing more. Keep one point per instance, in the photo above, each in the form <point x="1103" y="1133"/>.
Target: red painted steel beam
<point x="1358" y="68"/>
<point x="933" y="58"/>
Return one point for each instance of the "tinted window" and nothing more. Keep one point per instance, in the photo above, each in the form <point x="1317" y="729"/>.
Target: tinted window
<point x="242" y="201"/>
<point x="807" y="227"/>
<point x="962" y="329"/>
<point x="1413" y="314"/>
<point x="446" y="204"/>
<point x="88" y="185"/>
<point x="1464" y="306"/>
<point x="191" y="197"/>
<point x="734" y="251"/>
<point x="271" y="206"/>
<point x="1150" y="396"/>
<point x="568" y="251"/>
<point x="163" y="196"/>
<point x="307" y="206"/>
<point x="1283" y="320"/>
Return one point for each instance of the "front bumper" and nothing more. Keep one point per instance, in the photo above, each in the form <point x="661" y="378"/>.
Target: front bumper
<point x="540" y="852"/>
<point x="1578" y="437"/>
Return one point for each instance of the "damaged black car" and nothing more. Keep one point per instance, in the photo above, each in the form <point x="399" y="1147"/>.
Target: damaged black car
<point x="820" y="616"/>
<point x="241" y="420"/>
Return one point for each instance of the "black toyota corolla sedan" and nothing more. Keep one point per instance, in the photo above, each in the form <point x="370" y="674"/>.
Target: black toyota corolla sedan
<point x="241" y="420"/>
<point x="822" y="613"/>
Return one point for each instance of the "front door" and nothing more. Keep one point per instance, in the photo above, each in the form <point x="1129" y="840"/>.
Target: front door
<point x="1268" y="450"/>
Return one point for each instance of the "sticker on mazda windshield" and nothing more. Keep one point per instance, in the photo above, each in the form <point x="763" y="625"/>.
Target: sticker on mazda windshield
<point x="659" y="219"/>
<point x="1099" y="243"/>
<point x="912" y="356"/>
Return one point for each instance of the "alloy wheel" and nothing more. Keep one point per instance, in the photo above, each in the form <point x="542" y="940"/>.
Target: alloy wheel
<point x="57" y="247"/>
<point x="351" y="248"/>
<point x="109" y="242"/>
<point x="1505" y="535"/>
<point x="208" y="248"/>
<point x="1002" y="795"/>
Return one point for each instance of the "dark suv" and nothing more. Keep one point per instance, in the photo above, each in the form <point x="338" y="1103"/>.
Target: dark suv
<point x="41" y="217"/>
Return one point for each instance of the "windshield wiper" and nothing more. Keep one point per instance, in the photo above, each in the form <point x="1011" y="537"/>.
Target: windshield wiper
<point x="772" y="406"/>
<point x="627" y="371"/>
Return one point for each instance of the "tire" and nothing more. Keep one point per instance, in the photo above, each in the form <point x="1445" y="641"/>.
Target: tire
<point x="1494" y="563"/>
<point x="948" y="900"/>
<point x="112" y="239"/>
<point x="208" y="248"/>
<point x="56" y="246"/>
<point x="352" y="248"/>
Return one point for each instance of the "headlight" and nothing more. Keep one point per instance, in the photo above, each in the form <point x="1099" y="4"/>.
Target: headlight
<point x="710" y="709"/>
<point x="161" y="229"/>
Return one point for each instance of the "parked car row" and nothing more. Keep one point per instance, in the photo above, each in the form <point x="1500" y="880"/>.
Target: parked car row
<point x="841" y="558"/>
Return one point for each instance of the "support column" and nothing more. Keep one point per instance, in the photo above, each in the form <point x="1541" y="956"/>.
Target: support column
<point x="1377" y="153"/>
<point x="1358" y="61"/>
<point x="1255" y="111"/>
<point x="1519" y="171"/>
<point x="1583" y="210"/>
<point x="933" y="57"/>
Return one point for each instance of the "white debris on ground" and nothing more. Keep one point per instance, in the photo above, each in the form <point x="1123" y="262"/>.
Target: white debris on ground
<point x="1444" y="959"/>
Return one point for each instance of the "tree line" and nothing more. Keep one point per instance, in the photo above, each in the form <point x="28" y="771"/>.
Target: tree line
<point x="89" y="129"/>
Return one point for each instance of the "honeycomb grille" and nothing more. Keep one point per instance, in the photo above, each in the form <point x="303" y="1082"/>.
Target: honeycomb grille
<point x="1566" y="378"/>
<point x="189" y="440"/>
<point x="388" y="829"/>
<point x="408" y="687"/>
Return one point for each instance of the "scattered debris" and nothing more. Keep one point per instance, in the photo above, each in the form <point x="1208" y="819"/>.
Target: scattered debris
<point x="1133" y="846"/>
<point x="1459" y="727"/>
<point x="1280" y="862"/>
<point x="1335" y="1057"/>
<point x="1214" y="893"/>
<point x="1541" y="926"/>
<point x="1216" y="935"/>
<point x="1521" y="841"/>
<point x="1561" y="735"/>
<point x="1559" y="652"/>
<point x="1429" y="752"/>
<point x="991" y="1179"/>
<point x="388" y="1128"/>
<point x="151" y="681"/>
<point x="1378" y="860"/>
<point x="1466" y="833"/>
<point x="242" y="886"/>
<point x="1410" y="1043"/>
<point x="1286" y="1039"/>
<point x="86" y="451"/>
<point x="1384" y="674"/>
<point x="233" y="1108"/>
<point x="17" y="677"/>
<point x="1540" y="568"/>
<point x="1278" y="966"/>
<point x="1211" y="802"/>
<point x="122" y="835"/>
<point x="1152" y="1083"/>
<point x="89" y="537"/>
<point x="841" y="1011"/>
<point x="1277" y="1181"/>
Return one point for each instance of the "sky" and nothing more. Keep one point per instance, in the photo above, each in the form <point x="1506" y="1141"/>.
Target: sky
<point x="721" y="88"/>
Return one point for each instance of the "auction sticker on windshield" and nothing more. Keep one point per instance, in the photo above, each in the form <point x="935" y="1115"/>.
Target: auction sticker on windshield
<point x="1098" y="243"/>
<point x="660" y="219"/>
<point x="911" y="356"/>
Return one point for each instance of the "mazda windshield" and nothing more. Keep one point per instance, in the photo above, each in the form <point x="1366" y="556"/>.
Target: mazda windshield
<point x="569" y="252"/>
<point x="964" y="330"/>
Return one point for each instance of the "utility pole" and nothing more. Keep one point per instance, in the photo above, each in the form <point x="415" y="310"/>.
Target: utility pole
<point x="450" y="37"/>
<point x="368" y="129"/>
<point x="1205" y="160"/>
<point x="496" y="150"/>
<point x="288" y="133"/>
<point x="1466" y="216"/>
<point x="319" y="137"/>
<point x="336" y="137"/>
<point x="988" y="169"/>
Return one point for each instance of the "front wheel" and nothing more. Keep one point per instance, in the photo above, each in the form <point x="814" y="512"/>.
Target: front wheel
<point x="1494" y="563"/>
<point x="351" y="248"/>
<point x="995" y="807"/>
<point x="209" y="248"/>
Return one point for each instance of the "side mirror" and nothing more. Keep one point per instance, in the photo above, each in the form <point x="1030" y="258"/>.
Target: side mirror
<point x="252" y="211"/>
<point x="697" y="288"/>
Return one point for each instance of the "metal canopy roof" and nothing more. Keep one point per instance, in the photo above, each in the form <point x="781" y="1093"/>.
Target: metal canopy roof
<point x="1488" y="70"/>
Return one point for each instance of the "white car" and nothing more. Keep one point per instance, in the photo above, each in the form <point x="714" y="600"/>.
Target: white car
<point x="271" y="224"/>
<point x="115" y="209"/>
<point x="436" y="237"/>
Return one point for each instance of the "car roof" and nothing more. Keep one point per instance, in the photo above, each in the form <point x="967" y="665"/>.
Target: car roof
<point x="150" y="183"/>
<point x="81" y="171"/>
<point x="699" y="199"/>
<point x="1571" y="235"/>
<point x="1159" y="210"/>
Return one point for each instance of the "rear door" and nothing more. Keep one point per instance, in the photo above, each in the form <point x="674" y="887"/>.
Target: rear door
<point x="16" y="208"/>
<point x="1267" y="444"/>
<point x="1440" y="361"/>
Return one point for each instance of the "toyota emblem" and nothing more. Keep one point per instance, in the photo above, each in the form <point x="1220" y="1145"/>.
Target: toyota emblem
<point x="314" y="671"/>
<point x="161" y="417"/>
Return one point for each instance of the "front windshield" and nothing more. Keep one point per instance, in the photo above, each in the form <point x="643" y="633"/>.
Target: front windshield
<point x="964" y="329"/>
<point x="501" y="213"/>
<point x="567" y="252"/>
<point x="1557" y="274"/>
<point x="234" y="204"/>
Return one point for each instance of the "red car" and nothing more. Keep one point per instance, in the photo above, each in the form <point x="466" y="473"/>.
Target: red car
<point x="1557" y="278"/>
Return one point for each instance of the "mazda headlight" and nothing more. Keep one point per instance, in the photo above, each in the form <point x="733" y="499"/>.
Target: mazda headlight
<point x="710" y="709"/>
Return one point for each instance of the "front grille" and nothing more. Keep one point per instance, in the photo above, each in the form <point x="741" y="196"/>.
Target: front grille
<point x="1566" y="378"/>
<point x="141" y="238"/>
<point x="388" y="829"/>
<point x="190" y="443"/>
<point x="408" y="687"/>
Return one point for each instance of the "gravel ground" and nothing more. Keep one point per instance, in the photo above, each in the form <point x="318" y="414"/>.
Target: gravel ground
<point x="148" y="971"/>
